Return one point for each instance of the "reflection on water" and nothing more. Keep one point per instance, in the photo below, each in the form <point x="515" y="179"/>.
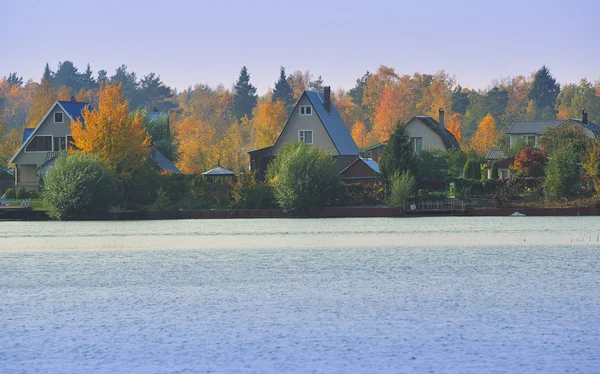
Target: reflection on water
<point x="338" y="295"/>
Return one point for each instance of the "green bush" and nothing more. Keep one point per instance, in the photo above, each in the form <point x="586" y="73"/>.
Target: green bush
<point x="248" y="193"/>
<point x="494" y="170"/>
<point x="79" y="186"/>
<point x="303" y="177"/>
<point x="472" y="170"/>
<point x="562" y="174"/>
<point x="10" y="193"/>
<point x="358" y="194"/>
<point x="22" y="194"/>
<point x="401" y="187"/>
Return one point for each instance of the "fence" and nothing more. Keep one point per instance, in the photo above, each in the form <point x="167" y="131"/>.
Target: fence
<point x="435" y="206"/>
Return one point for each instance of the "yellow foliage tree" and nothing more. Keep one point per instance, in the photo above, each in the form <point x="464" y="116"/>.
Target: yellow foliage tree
<point x="359" y="134"/>
<point x="44" y="97"/>
<point x="195" y="145"/>
<point x="268" y="120"/>
<point x="64" y="93"/>
<point x="455" y="127"/>
<point x="486" y="137"/>
<point x="110" y="131"/>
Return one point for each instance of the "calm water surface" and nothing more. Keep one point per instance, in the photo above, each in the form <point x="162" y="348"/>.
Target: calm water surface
<point x="469" y="295"/>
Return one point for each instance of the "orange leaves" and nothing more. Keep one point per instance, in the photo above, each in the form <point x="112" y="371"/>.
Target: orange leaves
<point x="387" y="113"/>
<point x="64" y="93"/>
<point x="486" y="137"/>
<point x="268" y="120"/>
<point x="359" y="134"/>
<point x="195" y="145"/>
<point x="110" y="131"/>
<point x="44" y="96"/>
<point x="455" y="127"/>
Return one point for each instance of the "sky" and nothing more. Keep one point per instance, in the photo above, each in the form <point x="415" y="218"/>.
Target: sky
<point x="190" y="42"/>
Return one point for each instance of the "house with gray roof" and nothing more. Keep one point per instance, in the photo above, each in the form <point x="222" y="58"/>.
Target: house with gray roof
<point x="428" y="134"/>
<point x="532" y="131"/>
<point x="315" y="121"/>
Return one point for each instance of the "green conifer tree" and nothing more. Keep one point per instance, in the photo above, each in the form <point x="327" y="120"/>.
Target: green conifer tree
<point x="283" y="90"/>
<point x="245" y="95"/>
<point x="544" y="89"/>
<point x="398" y="156"/>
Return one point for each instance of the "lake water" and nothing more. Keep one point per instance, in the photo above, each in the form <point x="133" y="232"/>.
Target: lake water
<point x="468" y="295"/>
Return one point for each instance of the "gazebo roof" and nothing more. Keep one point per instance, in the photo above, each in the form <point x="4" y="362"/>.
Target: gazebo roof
<point x="218" y="171"/>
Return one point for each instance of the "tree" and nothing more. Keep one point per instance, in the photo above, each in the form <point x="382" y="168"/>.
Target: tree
<point x="67" y="75"/>
<point x="357" y="93"/>
<point x="245" y="97"/>
<point x="195" y="140"/>
<point x="161" y="135"/>
<point x="79" y="186"/>
<point x="591" y="164"/>
<point x="575" y="97"/>
<point x="303" y="177"/>
<point x="153" y="92"/>
<point x="44" y="97"/>
<point x="102" y="77"/>
<point x="129" y="82"/>
<point x="283" y="91"/>
<point x="398" y="156"/>
<point x="486" y="137"/>
<point x="460" y="100"/>
<point x="111" y="132"/>
<point x="14" y="80"/>
<point x="455" y="127"/>
<point x="562" y="173"/>
<point x="299" y="82"/>
<point x="316" y="85"/>
<point x="359" y="134"/>
<point x="64" y="93"/>
<point x="431" y="165"/>
<point x="268" y="122"/>
<point x="544" y="89"/>
<point x="530" y="163"/>
<point x="401" y="187"/>
<point x="48" y="73"/>
<point x="564" y="135"/>
<point x="87" y="80"/>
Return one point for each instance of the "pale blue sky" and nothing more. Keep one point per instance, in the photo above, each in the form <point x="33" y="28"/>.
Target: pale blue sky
<point x="189" y="42"/>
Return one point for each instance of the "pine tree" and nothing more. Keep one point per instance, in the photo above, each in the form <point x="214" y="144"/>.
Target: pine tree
<point x="154" y="93"/>
<point x="14" y="80"/>
<point x="102" y="77"/>
<point x="245" y="95"/>
<point x="398" y="156"/>
<point x="67" y="75"/>
<point x="87" y="79"/>
<point x="283" y="90"/>
<point x="48" y="74"/>
<point x="544" y="89"/>
<point x="357" y="92"/>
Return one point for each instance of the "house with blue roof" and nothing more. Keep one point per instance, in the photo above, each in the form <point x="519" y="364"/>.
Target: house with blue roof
<point x="315" y="121"/>
<point x="41" y="145"/>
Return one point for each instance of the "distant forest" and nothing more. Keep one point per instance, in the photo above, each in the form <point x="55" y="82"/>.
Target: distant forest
<point x="219" y="125"/>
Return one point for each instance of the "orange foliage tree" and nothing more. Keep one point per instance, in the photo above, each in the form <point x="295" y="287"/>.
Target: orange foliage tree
<point x="111" y="132"/>
<point x="268" y="119"/>
<point x="486" y="137"/>
<point x="359" y="134"/>
<point x="44" y="96"/>
<point x="455" y="127"/>
<point x="195" y="145"/>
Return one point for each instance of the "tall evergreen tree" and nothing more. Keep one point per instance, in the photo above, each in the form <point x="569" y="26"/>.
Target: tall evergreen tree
<point x="544" y="89"/>
<point x="283" y="90"/>
<point x="48" y="73"/>
<point x="67" y="75"/>
<point x="154" y="93"/>
<point x="460" y="100"/>
<point x="245" y="95"/>
<point x="87" y="78"/>
<point x="130" y="85"/>
<point x="358" y="91"/>
<point x="398" y="156"/>
<point x="102" y="77"/>
<point x="14" y="80"/>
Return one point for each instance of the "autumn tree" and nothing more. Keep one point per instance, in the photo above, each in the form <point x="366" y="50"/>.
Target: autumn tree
<point x="575" y="97"/>
<point x="299" y="82"/>
<point x="44" y="97"/>
<point x="283" y="91"/>
<point x="245" y="95"/>
<point x="591" y="164"/>
<point x="64" y="93"/>
<point x="455" y="127"/>
<point x="195" y="140"/>
<point x="359" y="134"/>
<point x="530" y="163"/>
<point x="268" y="121"/>
<point x="111" y="132"/>
<point x="486" y="137"/>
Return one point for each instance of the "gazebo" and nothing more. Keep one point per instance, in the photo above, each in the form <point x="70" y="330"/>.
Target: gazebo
<point x="218" y="173"/>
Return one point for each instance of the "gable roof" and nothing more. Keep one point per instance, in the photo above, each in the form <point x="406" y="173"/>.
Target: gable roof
<point x="447" y="137"/>
<point x="218" y="171"/>
<point x="373" y="146"/>
<point x="495" y="154"/>
<point x="372" y="164"/>
<point x="332" y="122"/>
<point x="538" y="127"/>
<point x="161" y="160"/>
<point x="72" y="109"/>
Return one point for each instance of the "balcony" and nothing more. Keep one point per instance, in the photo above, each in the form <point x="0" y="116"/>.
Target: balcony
<point x="51" y="155"/>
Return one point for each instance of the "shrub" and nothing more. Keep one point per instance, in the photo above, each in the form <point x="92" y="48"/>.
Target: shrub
<point x="530" y="163"/>
<point x="494" y="170"/>
<point x="472" y="170"/>
<point x="10" y="193"/>
<point x="398" y="155"/>
<point x="248" y="193"/>
<point x="357" y="194"/>
<point x="303" y="177"/>
<point x="22" y="194"/>
<point x="562" y="174"/>
<point x="401" y="187"/>
<point x="79" y="186"/>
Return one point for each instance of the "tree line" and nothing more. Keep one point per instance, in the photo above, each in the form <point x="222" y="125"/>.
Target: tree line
<point x="219" y="125"/>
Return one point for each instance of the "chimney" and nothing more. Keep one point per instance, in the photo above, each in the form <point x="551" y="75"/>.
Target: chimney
<point x="584" y="117"/>
<point x="73" y="99"/>
<point x="327" y="99"/>
<point x="441" y="120"/>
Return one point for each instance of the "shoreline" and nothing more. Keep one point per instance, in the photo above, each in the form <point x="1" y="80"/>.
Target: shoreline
<point x="22" y="214"/>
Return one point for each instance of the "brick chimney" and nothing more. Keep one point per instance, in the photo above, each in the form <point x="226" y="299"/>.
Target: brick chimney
<point x="441" y="118"/>
<point x="327" y="98"/>
<point x="584" y="117"/>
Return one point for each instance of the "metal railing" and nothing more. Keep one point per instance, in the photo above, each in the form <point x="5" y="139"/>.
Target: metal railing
<point x="431" y="206"/>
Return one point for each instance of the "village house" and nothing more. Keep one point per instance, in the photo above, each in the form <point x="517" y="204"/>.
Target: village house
<point x="315" y="121"/>
<point x="532" y="131"/>
<point x="502" y="163"/>
<point x="427" y="134"/>
<point x="41" y="145"/>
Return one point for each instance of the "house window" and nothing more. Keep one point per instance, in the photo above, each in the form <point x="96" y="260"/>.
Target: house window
<point x="305" y="136"/>
<point x="530" y="140"/>
<point x="417" y="144"/>
<point x="305" y="110"/>
<point x="58" y="117"/>
<point x="40" y="143"/>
